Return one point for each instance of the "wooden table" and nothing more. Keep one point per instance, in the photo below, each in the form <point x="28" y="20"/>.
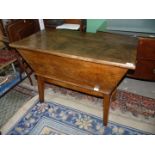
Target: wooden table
<point x="90" y="63"/>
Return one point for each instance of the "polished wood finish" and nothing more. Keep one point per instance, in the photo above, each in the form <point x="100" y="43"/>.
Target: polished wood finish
<point x="21" y="28"/>
<point x="16" y="29"/>
<point x="69" y="71"/>
<point x="145" y="63"/>
<point x="40" y="88"/>
<point x="104" y="48"/>
<point x="79" y="61"/>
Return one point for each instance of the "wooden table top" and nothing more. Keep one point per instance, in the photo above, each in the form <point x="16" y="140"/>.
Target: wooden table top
<point x="104" y="48"/>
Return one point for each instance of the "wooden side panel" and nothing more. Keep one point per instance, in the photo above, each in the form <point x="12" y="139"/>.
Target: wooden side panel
<point x="145" y="65"/>
<point x="146" y="49"/>
<point x="85" y="74"/>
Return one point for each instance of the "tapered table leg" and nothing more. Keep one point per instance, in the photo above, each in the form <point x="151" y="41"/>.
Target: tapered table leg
<point x="41" y="88"/>
<point x="106" y="109"/>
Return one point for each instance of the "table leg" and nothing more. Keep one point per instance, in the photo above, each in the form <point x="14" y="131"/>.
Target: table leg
<point x="41" y="88"/>
<point x="113" y="96"/>
<point x="106" y="109"/>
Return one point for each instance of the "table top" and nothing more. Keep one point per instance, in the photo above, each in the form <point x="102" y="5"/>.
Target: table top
<point x="106" y="48"/>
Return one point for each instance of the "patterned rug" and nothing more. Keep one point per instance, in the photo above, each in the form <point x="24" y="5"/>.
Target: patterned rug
<point x="7" y="55"/>
<point x="125" y="101"/>
<point x="67" y="113"/>
<point x="13" y="100"/>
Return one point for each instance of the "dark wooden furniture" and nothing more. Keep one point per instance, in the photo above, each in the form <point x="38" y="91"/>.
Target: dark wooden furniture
<point x="145" y="63"/>
<point x="52" y="23"/>
<point x="145" y="59"/>
<point x="15" y="30"/>
<point x="89" y="63"/>
<point x="21" y="28"/>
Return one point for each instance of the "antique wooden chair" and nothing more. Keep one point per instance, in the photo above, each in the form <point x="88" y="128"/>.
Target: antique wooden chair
<point x="15" y="31"/>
